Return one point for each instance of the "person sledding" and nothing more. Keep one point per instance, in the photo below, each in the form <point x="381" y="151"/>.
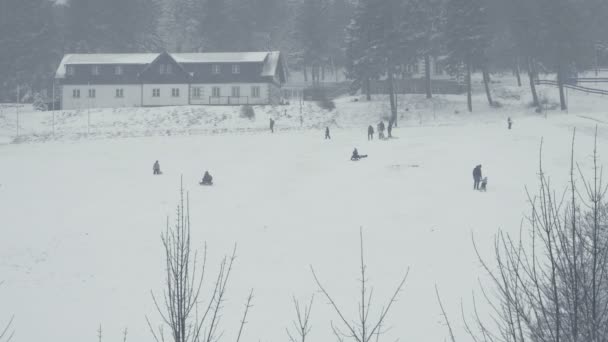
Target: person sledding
<point x="356" y="156"/>
<point x="207" y="179"/>
<point x="156" y="168"/>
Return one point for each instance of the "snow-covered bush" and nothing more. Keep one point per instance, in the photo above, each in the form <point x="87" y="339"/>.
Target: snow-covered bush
<point x="248" y="112"/>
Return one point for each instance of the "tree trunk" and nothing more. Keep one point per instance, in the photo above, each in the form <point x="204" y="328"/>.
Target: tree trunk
<point x="323" y="73"/>
<point x="486" y="84"/>
<point x="391" y="91"/>
<point x="560" y="85"/>
<point x="427" y="76"/>
<point x="532" y="79"/>
<point x="368" y="89"/>
<point x="305" y="74"/>
<point x="518" y="72"/>
<point x="469" y="87"/>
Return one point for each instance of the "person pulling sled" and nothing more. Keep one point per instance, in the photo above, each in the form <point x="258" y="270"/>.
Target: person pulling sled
<point x="207" y="179"/>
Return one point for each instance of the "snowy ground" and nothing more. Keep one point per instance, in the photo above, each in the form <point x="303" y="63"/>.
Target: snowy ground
<point x="81" y="216"/>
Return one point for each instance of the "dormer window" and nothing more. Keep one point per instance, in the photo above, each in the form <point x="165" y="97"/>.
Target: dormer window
<point x="236" y="69"/>
<point x="70" y="70"/>
<point x="215" y="69"/>
<point x="165" y="69"/>
<point x="118" y="70"/>
<point x="95" y="70"/>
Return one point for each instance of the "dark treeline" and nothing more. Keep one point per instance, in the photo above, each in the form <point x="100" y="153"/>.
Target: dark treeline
<point x="369" y="39"/>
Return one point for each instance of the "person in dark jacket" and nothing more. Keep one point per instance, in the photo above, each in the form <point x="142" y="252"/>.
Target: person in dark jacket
<point x="327" y="136"/>
<point x="381" y="130"/>
<point x="476" y="177"/>
<point x="156" y="168"/>
<point x="370" y="133"/>
<point x="356" y="156"/>
<point x="207" y="179"/>
<point x="389" y="130"/>
<point x="271" y="125"/>
<point x="509" y="122"/>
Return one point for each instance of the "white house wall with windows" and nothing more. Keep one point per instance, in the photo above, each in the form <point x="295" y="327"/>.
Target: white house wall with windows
<point x="133" y="80"/>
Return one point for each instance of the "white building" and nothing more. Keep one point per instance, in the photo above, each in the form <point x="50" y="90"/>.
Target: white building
<point x="135" y="80"/>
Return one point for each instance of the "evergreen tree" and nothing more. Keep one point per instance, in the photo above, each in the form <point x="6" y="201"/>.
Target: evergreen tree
<point x="468" y="38"/>
<point x="29" y="45"/>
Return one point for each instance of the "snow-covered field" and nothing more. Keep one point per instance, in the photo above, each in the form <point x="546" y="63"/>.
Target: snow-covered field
<point x="81" y="215"/>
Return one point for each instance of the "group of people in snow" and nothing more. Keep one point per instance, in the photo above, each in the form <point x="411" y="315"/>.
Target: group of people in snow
<point x="380" y="127"/>
<point x="207" y="178"/>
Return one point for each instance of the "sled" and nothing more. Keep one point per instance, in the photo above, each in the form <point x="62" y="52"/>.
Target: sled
<point x="205" y="183"/>
<point x="360" y="157"/>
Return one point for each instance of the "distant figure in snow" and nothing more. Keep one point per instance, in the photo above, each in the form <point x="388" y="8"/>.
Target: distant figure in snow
<point x="356" y="156"/>
<point x="156" y="168"/>
<point x="484" y="184"/>
<point x="370" y="133"/>
<point x="476" y="177"/>
<point x="271" y="125"/>
<point x="510" y="122"/>
<point x="389" y="130"/>
<point x="207" y="179"/>
<point x="327" y="136"/>
<point x="381" y="130"/>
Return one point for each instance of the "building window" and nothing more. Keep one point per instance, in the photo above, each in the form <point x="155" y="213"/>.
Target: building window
<point x="70" y="70"/>
<point x="216" y="92"/>
<point x="156" y="92"/>
<point x="91" y="93"/>
<point x="76" y="93"/>
<point x="118" y="70"/>
<point x="95" y="70"/>
<point x="165" y="69"/>
<point x="255" y="91"/>
<point x="197" y="93"/>
<point x="175" y="92"/>
<point x="236" y="91"/>
<point x="236" y="69"/>
<point x="120" y="93"/>
<point x="215" y="69"/>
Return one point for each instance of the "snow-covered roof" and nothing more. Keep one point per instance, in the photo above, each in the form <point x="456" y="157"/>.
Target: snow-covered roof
<point x="220" y="57"/>
<point x="104" y="58"/>
<point x="270" y="67"/>
<point x="270" y="59"/>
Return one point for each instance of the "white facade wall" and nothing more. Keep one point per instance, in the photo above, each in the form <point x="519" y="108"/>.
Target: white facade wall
<point x="246" y="96"/>
<point x="105" y="96"/>
<point x="166" y="98"/>
<point x="137" y="95"/>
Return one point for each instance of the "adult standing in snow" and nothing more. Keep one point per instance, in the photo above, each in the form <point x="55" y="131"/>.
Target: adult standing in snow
<point x="509" y="122"/>
<point x="476" y="177"/>
<point x="156" y="168"/>
<point x="271" y="125"/>
<point x="381" y="130"/>
<point x="390" y="129"/>
<point x="370" y="133"/>
<point x="327" y="136"/>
